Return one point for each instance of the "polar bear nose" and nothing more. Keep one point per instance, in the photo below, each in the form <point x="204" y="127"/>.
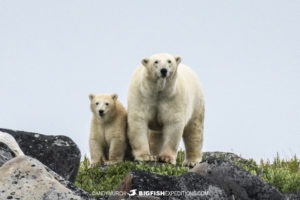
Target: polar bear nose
<point x="101" y="112"/>
<point x="164" y="72"/>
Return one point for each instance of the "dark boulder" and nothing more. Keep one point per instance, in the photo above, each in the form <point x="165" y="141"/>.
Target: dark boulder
<point x="59" y="153"/>
<point x="235" y="181"/>
<point x="188" y="186"/>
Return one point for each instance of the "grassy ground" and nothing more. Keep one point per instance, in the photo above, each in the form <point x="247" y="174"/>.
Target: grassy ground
<point x="283" y="174"/>
<point x="93" y="179"/>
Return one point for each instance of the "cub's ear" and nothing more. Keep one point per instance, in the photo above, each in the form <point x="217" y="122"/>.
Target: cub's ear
<point x="178" y="59"/>
<point x="91" y="97"/>
<point x="145" y="61"/>
<point x="114" y="97"/>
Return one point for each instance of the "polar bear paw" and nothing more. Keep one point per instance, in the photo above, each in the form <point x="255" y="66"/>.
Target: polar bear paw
<point x="146" y="157"/>
<point x="95" y="164"/>
<point x="189" y="163"/>
<point x="112" y="162"/>
<point x="168" y="159"/>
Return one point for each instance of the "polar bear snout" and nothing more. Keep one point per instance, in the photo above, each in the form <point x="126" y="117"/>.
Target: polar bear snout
<point x="101" y="113"/>
<point x="164" y="72"/>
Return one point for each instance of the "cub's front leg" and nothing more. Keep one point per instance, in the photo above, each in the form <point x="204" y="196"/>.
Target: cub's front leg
<point x="117" y="149"/>
<point x="97" y="153"/>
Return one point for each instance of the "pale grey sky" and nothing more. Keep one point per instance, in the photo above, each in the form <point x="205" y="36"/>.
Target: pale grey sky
<point x="246" y="54"/>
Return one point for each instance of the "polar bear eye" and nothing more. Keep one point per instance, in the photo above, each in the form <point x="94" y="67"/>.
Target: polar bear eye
<point x="97" y="103"/>
<point x="156" y="62"/>
<point x="107" y="104"/>
<point x="169" y="61"/>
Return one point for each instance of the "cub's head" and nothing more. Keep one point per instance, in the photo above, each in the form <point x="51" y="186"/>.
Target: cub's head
<point x="161" y="65"/>
<point x="103" y="105"/>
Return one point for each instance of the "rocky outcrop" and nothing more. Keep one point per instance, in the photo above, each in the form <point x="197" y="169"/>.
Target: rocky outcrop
<point x="235" y="181"/>
<point x="59" y="153"/>
<point x="141" y="184"/>
<point x="57" y="161"/>
<point x="26" y="178"/>
<point x="217" y="177"/>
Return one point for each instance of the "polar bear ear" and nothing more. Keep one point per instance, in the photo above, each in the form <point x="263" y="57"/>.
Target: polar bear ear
<point x="145" y="61"/>
<point x="178" y="59"/>
<point x="91" y="97"/>
<point x="114" y="97"/>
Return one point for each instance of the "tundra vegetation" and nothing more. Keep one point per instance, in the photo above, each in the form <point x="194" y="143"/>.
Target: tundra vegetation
<point x="281" y="173"/>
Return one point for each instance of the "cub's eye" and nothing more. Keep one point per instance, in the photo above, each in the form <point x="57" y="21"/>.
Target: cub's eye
<point x="169" y="61"/>
<point x="107" y="104"/>
<point x="97" y="103"/>
<point x="156" y="62"/>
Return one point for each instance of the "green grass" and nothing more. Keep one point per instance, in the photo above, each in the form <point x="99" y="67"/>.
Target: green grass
<point x="94" y="180"/>
<point x="283" y="174"/>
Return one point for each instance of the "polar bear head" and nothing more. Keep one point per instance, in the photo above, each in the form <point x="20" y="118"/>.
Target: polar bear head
<point x="103" y="105"/>
<point x="161" y="66"/>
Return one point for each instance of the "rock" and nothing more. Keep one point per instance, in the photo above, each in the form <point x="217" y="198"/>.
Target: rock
<point x="142" y="183"/>
<point x="25" y="178"/>
<point x="59" y="153"/>
<point x="293" y="196"/>
<point x="6" y="153"/>
<point x="9" y="148"/>
<point x="235" y="181"/>
<point x="226" y="156"/>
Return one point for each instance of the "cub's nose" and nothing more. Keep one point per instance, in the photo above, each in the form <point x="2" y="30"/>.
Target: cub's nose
<point x="101" y="112"/>
<point x="163" y="72"/>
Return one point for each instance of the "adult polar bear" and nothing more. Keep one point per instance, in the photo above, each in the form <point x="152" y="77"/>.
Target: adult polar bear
<point x="165" y="100"/>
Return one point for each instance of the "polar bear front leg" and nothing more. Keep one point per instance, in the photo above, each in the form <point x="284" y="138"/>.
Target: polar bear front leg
<point x="138" y="138"/>
<point x="172" y="134"/>
<point x="155" y="141"/>
<point x="97" y="154"/>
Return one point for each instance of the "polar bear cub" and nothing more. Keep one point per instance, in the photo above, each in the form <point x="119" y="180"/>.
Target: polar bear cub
<point x="107" y="139"/>
<point x="165" y="100"/>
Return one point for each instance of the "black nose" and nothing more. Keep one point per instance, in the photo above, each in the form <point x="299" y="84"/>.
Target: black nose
<point x="101" y="112"/>
<point x="164" y="72"/>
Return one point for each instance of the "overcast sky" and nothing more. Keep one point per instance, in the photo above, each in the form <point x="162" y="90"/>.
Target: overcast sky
<point x="53" y="54"/>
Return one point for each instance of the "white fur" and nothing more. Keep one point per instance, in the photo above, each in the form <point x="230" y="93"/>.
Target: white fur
<point x="169" y="108"/>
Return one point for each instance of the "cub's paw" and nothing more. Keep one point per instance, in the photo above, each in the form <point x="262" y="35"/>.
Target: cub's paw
<point x="112" y="162"/>
<point x="145" y="157"/>
<point x="153" y="158"/>
<point x="95" y="164"/>
<point x="189" y="163"/>
<point x="168" y="159"/>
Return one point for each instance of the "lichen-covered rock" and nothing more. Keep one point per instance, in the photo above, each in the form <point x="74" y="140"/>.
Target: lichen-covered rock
<point x="59" y="153"/>
<point x="26" y="178"/>
<point x="235" y="181"/>
<point x="185" y="187"/>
